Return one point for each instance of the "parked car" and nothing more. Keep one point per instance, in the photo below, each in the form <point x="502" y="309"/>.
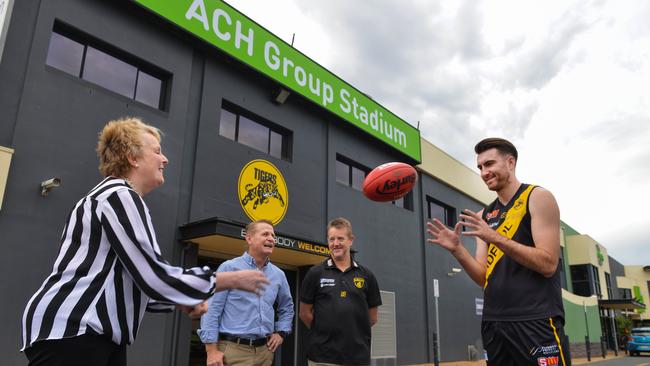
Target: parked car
<point x="639" y="341"/>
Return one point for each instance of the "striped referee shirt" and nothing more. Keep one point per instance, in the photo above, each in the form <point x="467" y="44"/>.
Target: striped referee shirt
<point x="109" y="271"/>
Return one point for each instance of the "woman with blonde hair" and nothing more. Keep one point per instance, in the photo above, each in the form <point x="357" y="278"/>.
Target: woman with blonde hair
<point x="109" y="269"/>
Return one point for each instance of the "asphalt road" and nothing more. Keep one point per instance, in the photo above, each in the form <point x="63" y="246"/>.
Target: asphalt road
<point x="625" y="361"/>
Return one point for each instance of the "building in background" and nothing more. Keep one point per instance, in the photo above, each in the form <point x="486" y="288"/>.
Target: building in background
<point x="602" y="289"/>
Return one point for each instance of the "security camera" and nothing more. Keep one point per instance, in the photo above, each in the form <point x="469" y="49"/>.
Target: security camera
<point x="47" y="185"/>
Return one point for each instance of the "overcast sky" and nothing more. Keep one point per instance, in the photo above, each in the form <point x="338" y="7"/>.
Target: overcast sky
<point x="567" y="81"/>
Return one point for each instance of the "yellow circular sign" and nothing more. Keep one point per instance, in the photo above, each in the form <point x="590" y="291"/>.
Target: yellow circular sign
<point x="263" y="192"/>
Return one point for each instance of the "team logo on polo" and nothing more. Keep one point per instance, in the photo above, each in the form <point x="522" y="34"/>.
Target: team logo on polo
<point x="359" y="281"/>
<point x="263" y="192"/>
<point x="518" y="205"/>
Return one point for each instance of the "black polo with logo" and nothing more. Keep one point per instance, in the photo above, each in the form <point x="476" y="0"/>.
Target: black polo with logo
<point x="340" y="331"/>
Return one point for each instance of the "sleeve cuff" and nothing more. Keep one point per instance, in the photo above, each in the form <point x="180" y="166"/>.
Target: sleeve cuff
<point x="208" y="335"/>
<point x="213" y="279"/>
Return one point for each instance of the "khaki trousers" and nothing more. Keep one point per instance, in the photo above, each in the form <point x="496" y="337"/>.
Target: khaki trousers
<point x="312" y="363"/>
<point x="242" y="355"/>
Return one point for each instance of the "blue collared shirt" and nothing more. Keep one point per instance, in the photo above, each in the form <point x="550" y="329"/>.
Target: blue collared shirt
<point x="246" y="314"/>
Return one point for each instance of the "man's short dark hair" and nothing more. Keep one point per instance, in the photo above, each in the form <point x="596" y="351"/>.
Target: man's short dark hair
<point x="502" y="145"/>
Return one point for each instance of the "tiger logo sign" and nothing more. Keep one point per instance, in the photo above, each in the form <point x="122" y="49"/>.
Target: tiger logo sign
<point x="263" y="193"/>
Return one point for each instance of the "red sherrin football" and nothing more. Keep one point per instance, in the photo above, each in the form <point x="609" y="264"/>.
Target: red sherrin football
<point x="389" y="182"/>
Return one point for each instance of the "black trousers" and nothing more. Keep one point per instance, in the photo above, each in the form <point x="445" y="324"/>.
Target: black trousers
<point x="83" y="350"/>
<point x="532" y="342"/>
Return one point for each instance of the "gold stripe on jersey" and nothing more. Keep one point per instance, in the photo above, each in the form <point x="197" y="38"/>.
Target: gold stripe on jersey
<point x="508" y="228"/>
<point x="557" y="339"/>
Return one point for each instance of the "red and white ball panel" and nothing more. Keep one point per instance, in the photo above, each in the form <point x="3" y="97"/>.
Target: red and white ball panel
<point x="389" y="182"/>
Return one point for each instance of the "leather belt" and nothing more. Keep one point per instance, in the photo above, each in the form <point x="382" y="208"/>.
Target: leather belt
<point x="244" y="341"/>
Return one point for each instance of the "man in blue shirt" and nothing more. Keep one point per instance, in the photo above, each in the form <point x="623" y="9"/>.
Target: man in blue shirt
<point x="239" y="327"/>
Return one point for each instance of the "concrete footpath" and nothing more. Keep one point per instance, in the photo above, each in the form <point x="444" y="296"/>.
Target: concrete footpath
<point x="583" y="360"/>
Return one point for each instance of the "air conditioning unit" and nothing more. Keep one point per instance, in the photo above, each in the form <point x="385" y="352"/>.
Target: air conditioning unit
<point x="383" y="348"/>
<point x="472" y="353"/>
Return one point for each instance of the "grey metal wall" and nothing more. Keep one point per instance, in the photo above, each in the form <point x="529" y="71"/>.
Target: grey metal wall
<point x="617" y="269"/>
<point x="459" y="322"/>
<point x="220" y="160"/>
<point x="51" y="119"/>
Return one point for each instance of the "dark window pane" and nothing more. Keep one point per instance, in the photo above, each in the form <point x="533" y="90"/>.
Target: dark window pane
<point x="437" y="212"/>
<point x="560" y="268"/>
<point x="358" y="176"/>
<point x="342" y="173"/>
<point x="579" y="273"/>
<point x="275" y="147"/>
<point x="109" y="72"/>
<point x="582" y="289"/>
<point x="451" y="216"/>
<point x="253" y="134"/>
<point x="228" y="124"/>
<point x="65" y="54"/>
<point x="148" y="90"/>
<point x="408" y="201"/>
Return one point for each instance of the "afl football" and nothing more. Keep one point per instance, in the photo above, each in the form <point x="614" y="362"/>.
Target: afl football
<point x="389" y="182"/>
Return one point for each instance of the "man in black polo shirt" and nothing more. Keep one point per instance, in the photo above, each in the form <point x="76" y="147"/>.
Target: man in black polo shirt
<point x="338" y="302"/>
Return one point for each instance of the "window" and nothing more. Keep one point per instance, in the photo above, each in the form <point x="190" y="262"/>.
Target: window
<point x="625" y="293"/>
<point x="242" y="126"/>
<point x="580" y="279"/>
<point x="596" y="278"/>
<point x="405" y="202"/>
<point x="76" y="54"/>
<point x="608" y="283"/>
<point x="350" y="173"/>
<point x="560" y="268"/>
<point x="585" y="280"/>
<point x="438" y="210"/>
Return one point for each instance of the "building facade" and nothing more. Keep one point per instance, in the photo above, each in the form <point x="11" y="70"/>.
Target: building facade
<point x="252" y="128"/>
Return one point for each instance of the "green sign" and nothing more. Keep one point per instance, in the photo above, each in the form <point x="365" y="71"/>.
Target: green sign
<point x="599" y="254"/>
<point x="221" y="25"/>
<point x="638" y="297"/>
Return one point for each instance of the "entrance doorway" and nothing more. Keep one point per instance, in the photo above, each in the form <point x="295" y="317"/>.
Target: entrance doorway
<point x="285" y="355"/>
<point x="220" y="239"/>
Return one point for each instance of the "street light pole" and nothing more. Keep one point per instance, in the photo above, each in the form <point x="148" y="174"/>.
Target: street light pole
<point x="587" y="344"/>
<point x="436" y="337"/>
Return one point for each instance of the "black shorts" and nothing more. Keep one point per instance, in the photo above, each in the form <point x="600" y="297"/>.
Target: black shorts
<point x="83" y="350"/>
<point x="532" y="342"/>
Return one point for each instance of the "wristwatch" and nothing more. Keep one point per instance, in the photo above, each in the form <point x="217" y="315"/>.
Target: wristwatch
<point x="282" y="334"/>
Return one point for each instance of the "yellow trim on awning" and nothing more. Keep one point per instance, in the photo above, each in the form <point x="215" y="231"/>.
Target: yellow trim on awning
<point x="5" y="162"/>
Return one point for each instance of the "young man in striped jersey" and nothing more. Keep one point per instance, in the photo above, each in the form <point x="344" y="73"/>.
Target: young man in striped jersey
<point x="516" y="262"/>
<point x="109" y="269"/>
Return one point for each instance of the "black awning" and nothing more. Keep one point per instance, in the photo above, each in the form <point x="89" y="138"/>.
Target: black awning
<point x="621" y="304"/>
<point x="193" y="231"/>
